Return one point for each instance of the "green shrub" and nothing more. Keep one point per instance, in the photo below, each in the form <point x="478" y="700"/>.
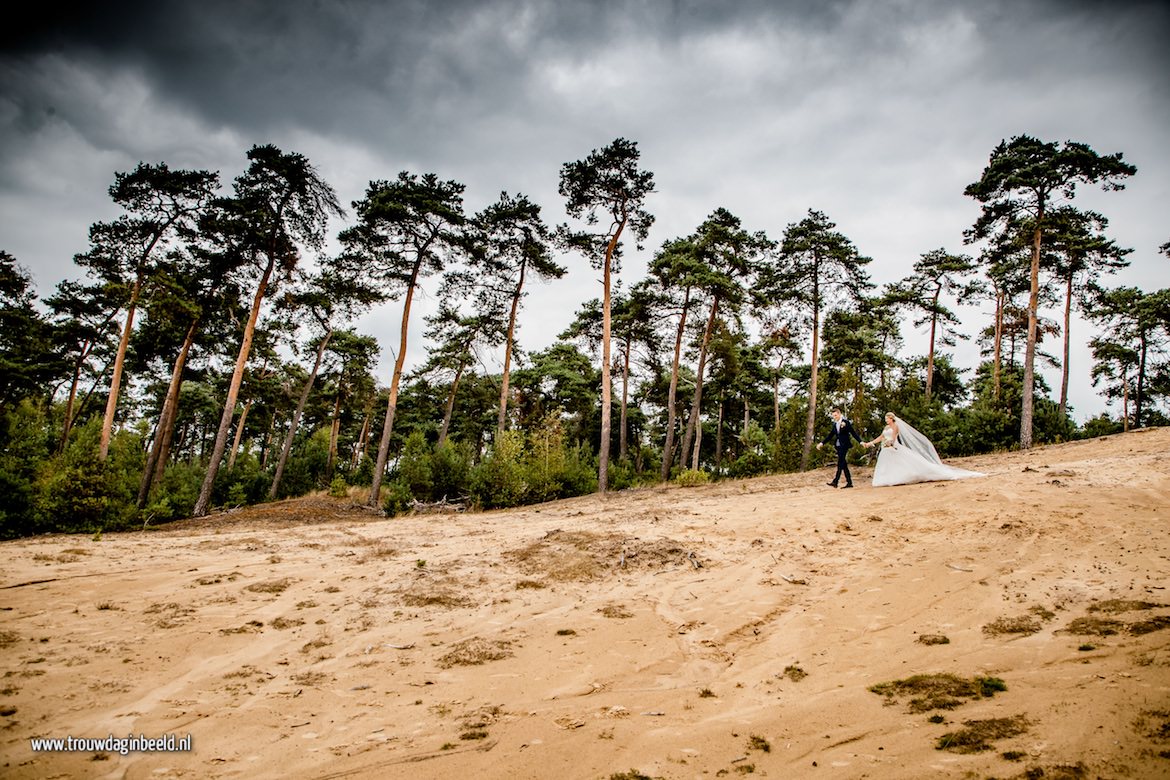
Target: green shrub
<point x="692" y="477"/>
<point x="450" y="469"/>
<point x="498" y="480"/>
<point x="24" y="446"/>
<point x="396" y="498"/>
<point x="414" y="467"/>
<point x="78" y="492"/>
<point x="338" y="488"/>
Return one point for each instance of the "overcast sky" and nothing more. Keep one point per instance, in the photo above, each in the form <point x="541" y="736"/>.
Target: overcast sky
<point x="876" y="113"/>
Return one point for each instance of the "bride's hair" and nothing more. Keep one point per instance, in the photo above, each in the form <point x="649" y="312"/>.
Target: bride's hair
<point x="890" y="414"/>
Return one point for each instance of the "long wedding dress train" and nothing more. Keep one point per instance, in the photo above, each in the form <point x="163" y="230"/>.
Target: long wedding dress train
<point x="912" y="459"/>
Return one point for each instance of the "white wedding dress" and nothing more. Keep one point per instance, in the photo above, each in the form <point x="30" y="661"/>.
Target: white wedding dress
<point x="912" y="459"/>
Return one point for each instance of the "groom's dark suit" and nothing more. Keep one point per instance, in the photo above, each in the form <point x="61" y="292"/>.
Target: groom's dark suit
<point x="841" y="436"/>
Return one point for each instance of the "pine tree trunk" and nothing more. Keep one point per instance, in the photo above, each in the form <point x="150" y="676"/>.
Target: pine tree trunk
<point x="359" y="452"/>
<point x="166" y="414"/>
<point x="334" y="429"/>
<point x="235" y="449"/>
<point x="392" y="402"/>
<point x="225" y="421"/>
<point x="116" y="379"/>
<point x="719" y="437"/>
<point x="606" y="379"/>
<point x="502" y="421"/>
<point x="1000" y="300"/>
<point x="671" y="412"/>
<point x="296" y="418"/>
<point x="450" y="406"/>
<point x="694" y="427"/>
<point x="1068" y="290"/>
<point x="1140" y="396"/>
<point x="930" y="353"/>
<point x="67" y="425"/>
<point x="623" y="450"/>
<point x="811" y="421"/>
<point x="1124" y="403"/>
<point x="1028" y="391"/>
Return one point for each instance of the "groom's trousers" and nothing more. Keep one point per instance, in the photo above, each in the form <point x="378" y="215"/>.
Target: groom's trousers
<point x="842" y="467"/>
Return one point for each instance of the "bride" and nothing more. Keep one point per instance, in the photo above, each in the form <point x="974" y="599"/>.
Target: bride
<point x="908" y="456"/>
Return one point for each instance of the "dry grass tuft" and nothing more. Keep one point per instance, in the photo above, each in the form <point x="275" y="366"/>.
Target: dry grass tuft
<point x="933" y="639"/>
<point x="1117" y="606"/>
<point x="8" y="639"/>
<point x="282" y="623"/>
<point x="309" y="678"/>
<point x="979" y="734"/>
<point x="938" y="691"/>
<point x="270" y="586"/>
<point x="1091" y="626"/>
<point x="616" y="611"/>
<point x="1024" y="624"/>
<point x="251" y="627"/>
<point x="475" y="651"/>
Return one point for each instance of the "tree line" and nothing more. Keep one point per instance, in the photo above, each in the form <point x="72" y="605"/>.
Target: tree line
<point x="207" y="357"/>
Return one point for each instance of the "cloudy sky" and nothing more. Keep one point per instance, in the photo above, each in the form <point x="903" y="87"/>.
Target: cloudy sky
<point x="877" y="113"/>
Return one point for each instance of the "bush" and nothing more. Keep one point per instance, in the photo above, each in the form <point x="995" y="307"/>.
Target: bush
<point x="338" y="488"/>
<point x="175" y="494"/>
<point x="78" y="492"/>
<point x="450" y="468"/>
<point x="498" y="480"/>
<point x="414" y="467"/>
<point x="756" y="458"/>
<point x="396" y="498"/>
<point x="24" y="446"/>
<point x="692" y="477"/>
<point x="305" y="470"/>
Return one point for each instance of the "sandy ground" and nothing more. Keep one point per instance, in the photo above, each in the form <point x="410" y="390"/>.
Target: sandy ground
<point x="724" y="630"/>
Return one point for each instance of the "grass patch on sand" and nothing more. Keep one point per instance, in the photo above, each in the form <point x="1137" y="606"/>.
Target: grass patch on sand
<point x="795" y="673"/>
<point x="475" y="651"/>
<point x="270" y="586"/>
<point x="616" y="611"/>
<point x="8" y="638"/>
<point x="977" y="735"/>
<point x="1091" y="626"/>
<point x="1154" y="724"/>
<point x="933" y="639"/>
<point x="1024" y="625"/>
<point x="1117" y="606"/>
<point x="283" y="623"/>
<point x="938" y="691"/>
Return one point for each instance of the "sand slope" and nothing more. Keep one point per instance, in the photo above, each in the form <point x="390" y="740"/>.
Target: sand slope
<point x="676" y="632"/>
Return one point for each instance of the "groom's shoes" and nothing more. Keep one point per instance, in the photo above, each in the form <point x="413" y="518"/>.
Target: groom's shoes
<point x="848" y="486"/>
<point x="831" y="484"/>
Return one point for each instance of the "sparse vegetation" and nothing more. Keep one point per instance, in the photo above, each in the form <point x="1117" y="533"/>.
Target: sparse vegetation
<point x="977" y="735"/>
<point x="938" y="691"/>
<point x="756" y="742"/>
<point x="1091" y="626"/>
<point x="795" y="673"/>
<point x="933" y="639"/>
<point x="270" y="586"/>
<point x="475" y="651"/>
<point x="1023" y="624"/>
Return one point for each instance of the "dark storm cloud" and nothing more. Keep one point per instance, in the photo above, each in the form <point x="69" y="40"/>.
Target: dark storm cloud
<point x="877" y="112"/>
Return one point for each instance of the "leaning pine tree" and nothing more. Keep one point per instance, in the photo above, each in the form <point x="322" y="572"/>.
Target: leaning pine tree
<point x="405" y="229"/>
<point x="606" y="188"/>
<point x="280" y="201"/>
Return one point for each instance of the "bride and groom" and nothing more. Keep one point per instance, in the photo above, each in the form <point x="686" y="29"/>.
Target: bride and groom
<point x="906" y="455"/>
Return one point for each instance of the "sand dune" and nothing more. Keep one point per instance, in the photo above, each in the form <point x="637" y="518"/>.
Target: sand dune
<point x="724" y="630"/>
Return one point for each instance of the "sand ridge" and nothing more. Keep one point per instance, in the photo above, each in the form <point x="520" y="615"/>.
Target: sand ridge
<point x="723" y="630"/>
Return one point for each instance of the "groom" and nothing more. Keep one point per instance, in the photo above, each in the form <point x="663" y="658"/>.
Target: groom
<point x="840" y="436"/>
